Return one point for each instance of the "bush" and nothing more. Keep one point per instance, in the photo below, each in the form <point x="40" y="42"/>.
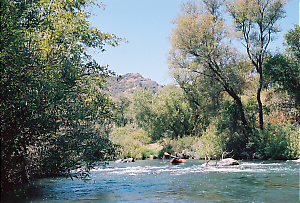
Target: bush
<point x="130" y="139"/>
<point x="278" y="142"/>
<point x="144" y="153"/>
<point x="212" y="143"/>
<point x="187" y="146"/>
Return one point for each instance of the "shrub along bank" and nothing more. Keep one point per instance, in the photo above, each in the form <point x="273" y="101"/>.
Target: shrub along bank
<point x="275" y="142"/>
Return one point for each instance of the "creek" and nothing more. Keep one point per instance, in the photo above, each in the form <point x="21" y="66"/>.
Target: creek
<point x="160" y="181"/>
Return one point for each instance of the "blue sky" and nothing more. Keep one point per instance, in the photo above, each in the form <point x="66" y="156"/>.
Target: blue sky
<point x="146" y="24"/>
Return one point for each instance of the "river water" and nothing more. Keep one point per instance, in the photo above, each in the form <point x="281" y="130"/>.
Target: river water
<point x="160" y="181"/>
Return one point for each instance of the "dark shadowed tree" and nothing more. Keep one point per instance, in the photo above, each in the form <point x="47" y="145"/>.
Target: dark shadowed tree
<point x="52" y="110"/>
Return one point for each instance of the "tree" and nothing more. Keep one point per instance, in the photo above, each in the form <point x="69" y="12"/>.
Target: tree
<point x="51" y="101"/>
<point x="144" y="113"/>
<point x="122" y="110"/>
<point x="293" y="69"/>
<point x="201" y="50"/>
<point x="282" y="72"/>
<point x="256" y="22"/>
<point x="165" y="114"/>
<point x="203" y="96"/>
<point x="173" y="112"/>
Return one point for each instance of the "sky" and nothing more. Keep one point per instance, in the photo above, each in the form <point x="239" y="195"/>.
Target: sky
<point x="147" y="26"/>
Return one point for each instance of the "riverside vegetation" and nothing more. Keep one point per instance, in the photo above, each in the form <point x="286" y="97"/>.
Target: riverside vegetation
<point x="56" y="112"/>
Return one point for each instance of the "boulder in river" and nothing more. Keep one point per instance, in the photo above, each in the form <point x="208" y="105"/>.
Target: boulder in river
<point x="223" y="162"/>
<point x="228" y="162"/>
<point x="125" y="160"/>
<point x="297" y="160"/>
<point x="166" y="155"/>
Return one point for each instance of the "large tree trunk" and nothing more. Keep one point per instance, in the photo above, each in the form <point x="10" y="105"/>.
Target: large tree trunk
<point x="236" y="98"/>
<point x="260" y="106"/>
<point x="241" y="111"/>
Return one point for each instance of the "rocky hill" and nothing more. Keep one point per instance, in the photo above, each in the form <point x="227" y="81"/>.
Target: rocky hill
<point x="128" y="83"/>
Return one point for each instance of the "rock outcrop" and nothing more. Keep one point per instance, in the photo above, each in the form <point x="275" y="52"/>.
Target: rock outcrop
<point x="128" y="83"/>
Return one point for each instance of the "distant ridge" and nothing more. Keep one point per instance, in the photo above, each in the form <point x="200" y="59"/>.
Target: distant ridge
<point x="128" y="83"/>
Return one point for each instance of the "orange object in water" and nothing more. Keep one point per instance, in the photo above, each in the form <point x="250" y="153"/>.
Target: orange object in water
<point x="175" y="161"/>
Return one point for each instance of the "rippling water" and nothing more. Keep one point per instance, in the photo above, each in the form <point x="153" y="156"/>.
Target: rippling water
<point x="159" y="181"/>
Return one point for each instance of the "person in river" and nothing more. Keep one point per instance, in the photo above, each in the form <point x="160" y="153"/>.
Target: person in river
<point x="176" y="156"/>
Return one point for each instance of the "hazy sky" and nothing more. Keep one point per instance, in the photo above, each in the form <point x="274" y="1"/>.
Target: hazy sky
<point x="146" y="24"/>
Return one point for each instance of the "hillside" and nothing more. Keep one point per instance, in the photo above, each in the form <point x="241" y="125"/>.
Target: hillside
<point x="128" y="83"/>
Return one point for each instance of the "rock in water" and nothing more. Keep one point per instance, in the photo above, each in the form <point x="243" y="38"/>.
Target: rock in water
<point x="125" y="160"/>
<point x="223" y="162"/>
<point x="130" y="160"/>
<point x="228" y="162"/>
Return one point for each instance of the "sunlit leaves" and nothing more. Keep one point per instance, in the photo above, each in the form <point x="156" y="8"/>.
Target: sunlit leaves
<point x="167" y="113"/>
<point x="202" y="50"/>
<point x="282" y="69"/>
<point x="256" y="20"/>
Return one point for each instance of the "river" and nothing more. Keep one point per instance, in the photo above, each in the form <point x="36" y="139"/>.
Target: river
<point x="160" y="181"/>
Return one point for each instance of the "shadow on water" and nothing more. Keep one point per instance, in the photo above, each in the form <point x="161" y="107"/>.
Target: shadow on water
<point x="27" y="192"/>
<point x="160" y="181"/>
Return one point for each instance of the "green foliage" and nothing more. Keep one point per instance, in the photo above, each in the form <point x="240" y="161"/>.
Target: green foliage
<point x="130" y="139"/>
<point x="292" y="42"/>
<point x="278" y="142"/>
<point x="221" y="95"/>
<point x="283" y="70"/>
<point x="53" y="113"/>
<point x="144" y="153"/>
<point x="187" y="146"/>
<point x="255" y="22"/>
<point x="204" y="63"/>
<point x="212" y="144"/>
<point x="173" y="112"/>
<point x="122" y="111"/>
<point x="166" y="113"/>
